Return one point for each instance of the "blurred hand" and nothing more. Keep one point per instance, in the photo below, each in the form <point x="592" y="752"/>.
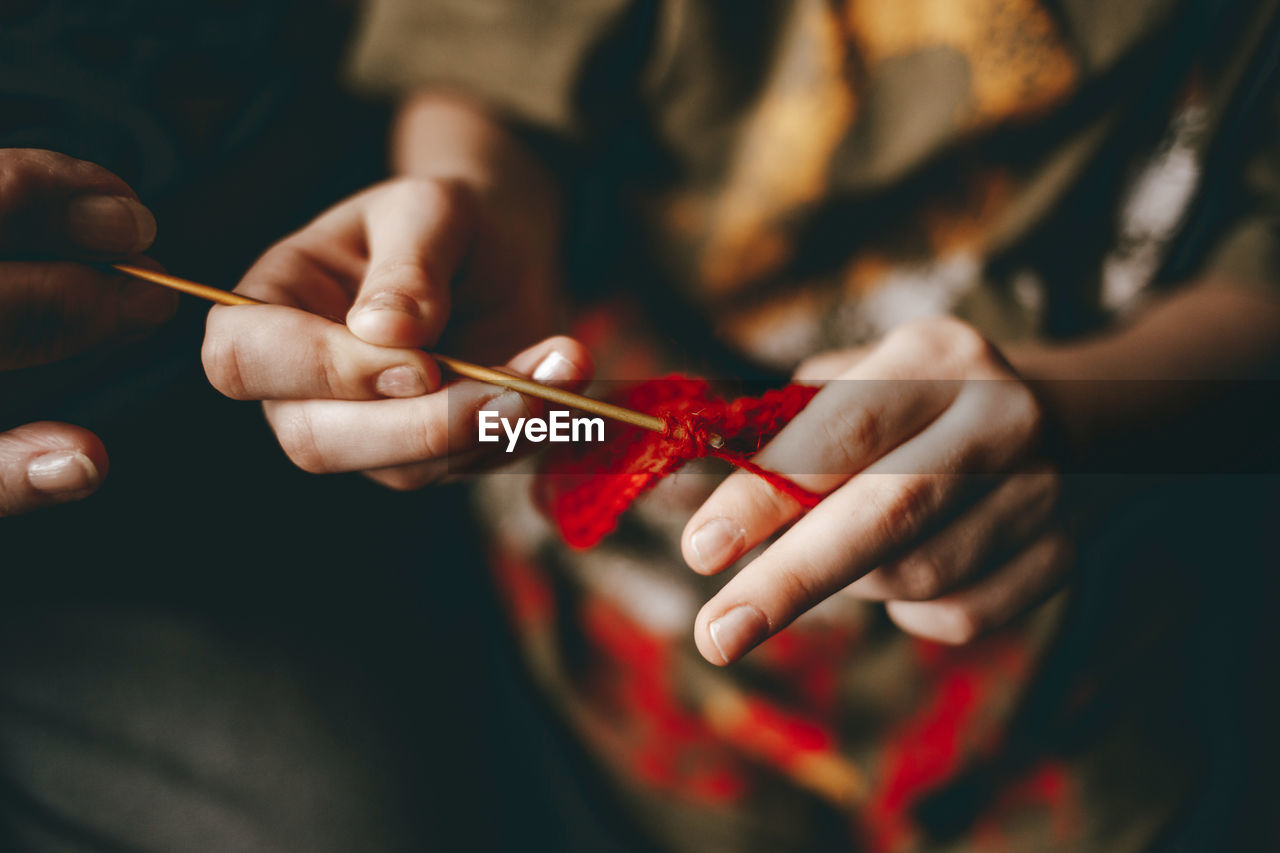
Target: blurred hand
<point x="55" y="210"/>
<point x="456" y="259"/>
<point x="938" y="501"/>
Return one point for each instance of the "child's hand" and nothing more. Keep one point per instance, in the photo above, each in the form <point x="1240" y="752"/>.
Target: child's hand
<point x="937" y="500"/>
<point x="461" y="253"/>
<point x="398" y="262"/>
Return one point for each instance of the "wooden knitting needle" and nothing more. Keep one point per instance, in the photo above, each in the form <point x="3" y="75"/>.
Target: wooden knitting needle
<point x="462" y="368"/>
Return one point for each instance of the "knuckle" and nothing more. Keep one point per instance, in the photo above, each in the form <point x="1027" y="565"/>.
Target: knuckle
<point x="222" y="360"/>
<point x="296" y="434"/>
<point x="967" y="345"/>
<point x="944" y="338"/>
<point x="17" y="180"/>
<point x="959" y="334"/>
<point x="853" y="431"/>
<point x="913" y="335"/>
<point x="1026" y="413"/>
<point x="1048" y="487"/>
<point x="905" y="510"/>
<point x="795" y="589"/>
<point x="1006" y="411"/>
<point x="332" y="381"/>
<point x="752" y="498"/>
<point x="430" y="438"/>
<point x="963" y="346"/>
<point x="916" y="578"/>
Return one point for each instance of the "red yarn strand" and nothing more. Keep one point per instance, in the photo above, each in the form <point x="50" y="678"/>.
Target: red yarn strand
<point x="586" y="489"/>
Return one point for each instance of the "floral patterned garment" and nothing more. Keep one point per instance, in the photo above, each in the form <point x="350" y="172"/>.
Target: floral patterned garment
<point x="792" y="177"/>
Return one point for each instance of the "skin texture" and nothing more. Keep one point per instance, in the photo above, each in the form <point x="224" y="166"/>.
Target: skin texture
<point x="458" y="251"/>
<point x="904" y="519"/>
<point x="54" y="211"/>
<point x="943" y="498"/>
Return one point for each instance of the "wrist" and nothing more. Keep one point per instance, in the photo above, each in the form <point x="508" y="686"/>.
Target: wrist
<point x="1070" y="409"/>
<point x="1152" y="394"/>
<point x="451" y="137"/>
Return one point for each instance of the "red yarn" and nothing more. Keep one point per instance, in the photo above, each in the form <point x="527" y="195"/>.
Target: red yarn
<point x="585" y="489"/>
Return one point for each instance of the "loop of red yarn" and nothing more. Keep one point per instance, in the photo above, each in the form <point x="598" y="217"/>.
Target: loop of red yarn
<point x="801" y="495"/>
<point x="689" y="435"/>
<point x="585" y="489"/>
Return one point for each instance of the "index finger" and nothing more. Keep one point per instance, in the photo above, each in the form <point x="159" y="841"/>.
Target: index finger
<point x="851" y="422"/>
<point x="860" y="525"/>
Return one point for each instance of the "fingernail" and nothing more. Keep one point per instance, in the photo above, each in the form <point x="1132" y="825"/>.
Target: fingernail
<point x="148" y="306"/>
<point x="717" y="543"/>
<point x="109" y="223"/>
<point x="737" y="631"/>
<point x="509" y="405"/>
<point x="390" y="300"/>
<point x="63" y="472"/>
<point x="555" y="368"/>
<point x="401" y="381"/>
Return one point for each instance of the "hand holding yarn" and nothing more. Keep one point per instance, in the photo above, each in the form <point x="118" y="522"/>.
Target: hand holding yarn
<point x="938" y="500"/>
<point x="447" y="254"/>
<point x="585" y="489"/>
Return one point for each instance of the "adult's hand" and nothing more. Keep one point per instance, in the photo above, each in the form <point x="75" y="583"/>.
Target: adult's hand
<point x="54" y="211"/>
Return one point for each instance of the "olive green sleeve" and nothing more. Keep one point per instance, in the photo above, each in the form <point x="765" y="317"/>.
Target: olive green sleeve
<point x="526" y="58"/>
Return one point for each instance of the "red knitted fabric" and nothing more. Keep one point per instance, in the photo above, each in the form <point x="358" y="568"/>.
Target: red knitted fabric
<point x="584" y="489"/>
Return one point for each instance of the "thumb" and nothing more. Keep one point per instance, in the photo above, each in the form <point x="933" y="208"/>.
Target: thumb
<point x="418" y="232"/>
<point x="54" y="204"/>
<point x="48" y="463"/>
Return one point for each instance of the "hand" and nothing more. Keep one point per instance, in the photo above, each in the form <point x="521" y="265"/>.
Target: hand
<point x="55" y="210"/>
<point x="362" y="397"/>
<point x="938" y="499"/>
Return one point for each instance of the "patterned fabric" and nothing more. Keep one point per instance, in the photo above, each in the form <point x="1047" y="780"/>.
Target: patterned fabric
<point x="801" y="176"/>
<point x="812" y="173"/>
<point x="826" y="736"/>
